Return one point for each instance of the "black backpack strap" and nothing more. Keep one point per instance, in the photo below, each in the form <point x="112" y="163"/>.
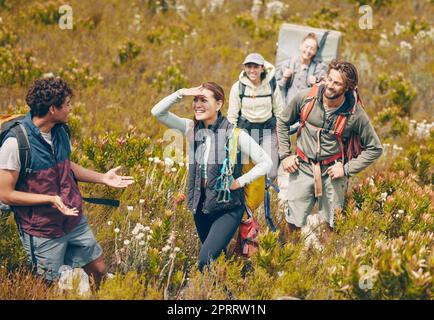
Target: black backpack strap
<point x="241" y="93"/>
<point x="103" y="201"/>
<point x="20" y="134"/>
<point x="322" y="42"/>
<point x="273" y="86"/>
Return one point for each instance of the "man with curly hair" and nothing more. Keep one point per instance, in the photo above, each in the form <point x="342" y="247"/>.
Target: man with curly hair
<point x="47" y="202"/>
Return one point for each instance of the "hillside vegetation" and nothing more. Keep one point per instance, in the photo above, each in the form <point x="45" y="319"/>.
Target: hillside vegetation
<point x="124" y="56"/>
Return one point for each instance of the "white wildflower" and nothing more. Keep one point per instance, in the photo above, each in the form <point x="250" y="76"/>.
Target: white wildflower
<point x="215" y="5"/>
<point x="141" y="201"/>
<point x="126" y="242"/>
<point x="405" y="45"/>
<point x="280" y="273"/>
<point x="177" y="249"/>
<point x="117" y="230"/>
<point x="130" y="208"/>
<point x="142" y="243"/>
<point x="405" y="49"/>
<point x="401" y="211"/>
<point x="140" y="236"/>
<point x="371" y="182"/>
<point x="383" y="196"/>
<point x="109" y="223"/>
<point x="256" y="8"/>
<point x="168" y="162"/>
<point x="138" y="227"/>
<point x="151" y="159"/>
<point x="173" y="169"/>
<point x="157" y="160"/>
<point x="384" y="42"/>
<point x="398" y="28"/>
<point x="146" y="229"/>
<point x="275" y="9"/>
<point x="165" y="249"/>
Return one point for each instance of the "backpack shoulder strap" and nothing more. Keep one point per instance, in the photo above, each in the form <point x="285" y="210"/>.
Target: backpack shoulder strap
<point x="241" y="91"/>
<point x="24" y="149"/>
<point x="310" y="71"/>
<point x="342" y="120"/>
<point x="307" y="106"/>
<point x="273" y="86"/>
<point x="309" y="103"/>
<point x="233" y="144"/>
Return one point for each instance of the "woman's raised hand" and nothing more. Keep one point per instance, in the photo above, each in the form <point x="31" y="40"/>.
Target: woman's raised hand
<point x="287" y="73"/>
<point x="196" y="91"/>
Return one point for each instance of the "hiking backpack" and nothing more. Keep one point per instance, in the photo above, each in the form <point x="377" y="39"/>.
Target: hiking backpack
<point x="242" y="91"/>
<point x="353" y="146"/>
<point x="257" y="192"/>
<point x="12" y="123"/>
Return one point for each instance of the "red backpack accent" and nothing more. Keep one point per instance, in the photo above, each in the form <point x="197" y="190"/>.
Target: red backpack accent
<point x="248" y="236"/>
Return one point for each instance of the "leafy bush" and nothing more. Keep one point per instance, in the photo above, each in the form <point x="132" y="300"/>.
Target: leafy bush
<point x="46" y="12"/>
<point x="17" y="66"/>
<point x="128" y="52"/>
<point x="398" y="90"/>
<point x="170" y="79"/>
<point x="79" y="74"/>
<point x="400" y="268"/>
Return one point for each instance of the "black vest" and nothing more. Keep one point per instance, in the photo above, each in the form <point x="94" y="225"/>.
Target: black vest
<point x="219" y="132"/>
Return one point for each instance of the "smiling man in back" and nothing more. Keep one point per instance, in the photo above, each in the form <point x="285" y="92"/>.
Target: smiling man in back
<point x="335" y="141"/>
<point x="46" y="200"/>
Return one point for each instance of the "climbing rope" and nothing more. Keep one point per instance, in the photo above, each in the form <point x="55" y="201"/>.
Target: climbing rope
<point x="226" y="178"/>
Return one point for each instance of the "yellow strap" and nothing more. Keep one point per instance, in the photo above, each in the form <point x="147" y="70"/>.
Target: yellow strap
<point x="233" y="145"/>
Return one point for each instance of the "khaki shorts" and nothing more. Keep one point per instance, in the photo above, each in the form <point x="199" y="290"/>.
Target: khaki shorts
<point x="297" y="195"/>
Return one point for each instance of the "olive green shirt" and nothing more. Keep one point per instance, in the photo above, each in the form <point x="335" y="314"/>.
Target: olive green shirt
<point x="307" y="141"/>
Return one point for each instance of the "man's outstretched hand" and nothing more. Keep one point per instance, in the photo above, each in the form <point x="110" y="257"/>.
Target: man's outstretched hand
<point x="112" y="179"/>
<point x="58" y="203"/>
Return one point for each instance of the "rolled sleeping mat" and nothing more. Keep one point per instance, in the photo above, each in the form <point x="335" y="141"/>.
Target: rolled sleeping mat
<point x="291" y="36"/>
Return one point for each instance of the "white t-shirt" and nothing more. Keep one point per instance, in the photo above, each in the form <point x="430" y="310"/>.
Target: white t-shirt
<point x="10" y="155"/>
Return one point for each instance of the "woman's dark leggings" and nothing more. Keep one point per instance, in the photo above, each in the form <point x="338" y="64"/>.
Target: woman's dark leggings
<point x="215" y="232"/>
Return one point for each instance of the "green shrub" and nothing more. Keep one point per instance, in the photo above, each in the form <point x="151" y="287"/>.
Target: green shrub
<point x="171" y="78"/>
<point x="17" y="66"/>
<point x="400" y="268"/>
<point x="128" y="51"/>
<point x="46" y="12"/>
<point x="7" y="36"/>
<point x="397" y="91"/>
<point x="79" y="74"/>
<point x="12" y="253"/>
